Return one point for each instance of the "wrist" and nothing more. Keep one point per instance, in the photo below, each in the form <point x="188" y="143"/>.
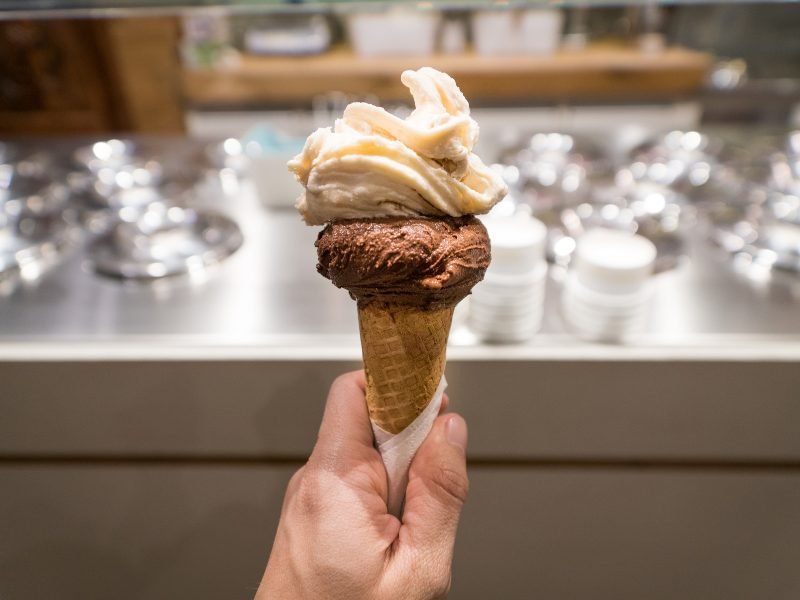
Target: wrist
<point x="277" y="582"/>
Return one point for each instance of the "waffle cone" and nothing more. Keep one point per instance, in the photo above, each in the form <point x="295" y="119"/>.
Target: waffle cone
<point x="404" y="352"/>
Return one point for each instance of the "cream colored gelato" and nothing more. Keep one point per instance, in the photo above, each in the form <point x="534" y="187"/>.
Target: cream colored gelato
<point x="374" y="164"/>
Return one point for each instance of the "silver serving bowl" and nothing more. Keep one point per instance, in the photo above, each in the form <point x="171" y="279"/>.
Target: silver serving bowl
<point x="30" y="246"/>
<point x="117" y="162"/>
<point x="690" y="162"/>
<point x="163" y="241"/>
<point x="119" y="175"/>
<point x="685" y="145"/>
<point x="35" y="228"/>
<point x="553" y="170"/>
<point x="106" y="154"/>
<point x="653" y="211"/>
<point x="28" y="193"/>
<point x="98" y="202"/>
<point x="228" y="154"/>
<point x="763" y="236"/>
<point x="98" y="188"/>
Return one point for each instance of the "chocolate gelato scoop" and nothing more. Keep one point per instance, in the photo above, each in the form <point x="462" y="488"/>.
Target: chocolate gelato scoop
<point x="421" y="262"/>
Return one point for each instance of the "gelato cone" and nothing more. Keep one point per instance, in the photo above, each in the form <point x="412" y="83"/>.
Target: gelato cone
<point x="398" y="198"/>
<point x="404" y="355"/>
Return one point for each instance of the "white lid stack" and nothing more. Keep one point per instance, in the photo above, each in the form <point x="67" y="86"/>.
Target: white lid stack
<point x="607" y="291"/>
<point x="518" y="243"/>
<point x="612" y="261"/>
<point x="507" y="305"/>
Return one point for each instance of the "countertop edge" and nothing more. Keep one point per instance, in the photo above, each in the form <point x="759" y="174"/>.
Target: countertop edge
<point x="727" y="348"/>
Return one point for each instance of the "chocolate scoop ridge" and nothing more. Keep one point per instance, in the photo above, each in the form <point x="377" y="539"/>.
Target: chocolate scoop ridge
<point x="425" y="262"/>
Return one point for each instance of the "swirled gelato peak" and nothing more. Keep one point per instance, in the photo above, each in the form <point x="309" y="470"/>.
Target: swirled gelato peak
<point x="375" y="164"/>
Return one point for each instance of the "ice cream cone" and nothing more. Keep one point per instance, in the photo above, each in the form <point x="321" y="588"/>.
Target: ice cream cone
<point x="404" y="351"/>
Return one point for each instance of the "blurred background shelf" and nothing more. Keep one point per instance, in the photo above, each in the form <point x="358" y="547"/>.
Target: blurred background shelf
<point x="597" y="72"/>
<point x="88" y="76"/>
<point x="47" y="9"/>
<point x="148" y="74"/>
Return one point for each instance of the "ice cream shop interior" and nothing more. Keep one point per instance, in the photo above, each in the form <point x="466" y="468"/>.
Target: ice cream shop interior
<point x="574" y="223"/>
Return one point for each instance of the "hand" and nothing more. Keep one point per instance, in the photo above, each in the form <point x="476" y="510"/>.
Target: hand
<point x="336" y="540"/>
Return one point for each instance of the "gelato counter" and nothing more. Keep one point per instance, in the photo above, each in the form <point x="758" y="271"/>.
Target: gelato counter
<point x="266" y="301"/>
<point x="147" y="430"/>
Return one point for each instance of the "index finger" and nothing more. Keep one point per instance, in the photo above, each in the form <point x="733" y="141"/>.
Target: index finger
<point x="345" y="434"/>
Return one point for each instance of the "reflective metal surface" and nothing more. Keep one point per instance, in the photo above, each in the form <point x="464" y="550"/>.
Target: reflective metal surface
<point x="268" y="288"/>
<point x="549" y="171"/>
<point x="268" y="295"/>
<point x="114" y="173"/>
<point x="163" y="241"/>
<point x="101" y="187"/>
<point x="25" y="189"/>
<point x="762" y="229"/>
<point x="137" y="201"/>
<point x="106" y="154"/>
<point x="34" y="231"/>
<point x="757" y="238"/>
<point x="228" y="154"/>
<point x="654" y="211"/>
<point x="31" y="246"/>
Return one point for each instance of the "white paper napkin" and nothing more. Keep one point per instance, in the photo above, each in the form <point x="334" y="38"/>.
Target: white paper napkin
<point x="397" y="450"/>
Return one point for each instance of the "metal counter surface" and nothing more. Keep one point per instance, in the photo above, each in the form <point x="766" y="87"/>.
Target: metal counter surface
<point x="267" y="301"/>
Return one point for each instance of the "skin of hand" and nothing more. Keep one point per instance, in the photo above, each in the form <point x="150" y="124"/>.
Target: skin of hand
<point x="336" y="540"/>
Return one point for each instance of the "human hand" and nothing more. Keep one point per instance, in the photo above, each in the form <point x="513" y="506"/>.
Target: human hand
<point x="336" y="539"/>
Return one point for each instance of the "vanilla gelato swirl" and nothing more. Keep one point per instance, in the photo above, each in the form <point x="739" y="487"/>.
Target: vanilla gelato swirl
<point x="374" y="164"/>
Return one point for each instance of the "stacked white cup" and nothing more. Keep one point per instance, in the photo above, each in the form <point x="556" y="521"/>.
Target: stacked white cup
<point x="608" y="288"/>
<point x="507" y="305"/>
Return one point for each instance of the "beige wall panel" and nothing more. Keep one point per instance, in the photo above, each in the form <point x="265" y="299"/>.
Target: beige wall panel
<point x="202" y="532"/>
<point x="524" y="410"/>
<point x="630" y="535"/>
<point x="136" y="533"/>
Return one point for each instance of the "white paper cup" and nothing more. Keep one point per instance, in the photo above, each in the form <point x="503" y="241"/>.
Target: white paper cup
<point x="491" y="298"/>
<point x="606" y="322"/>
<point x="495" y="332"/>
<point x="606" y="294"/>
<point x="505" y="313"/>
<point x="608" y="304"/>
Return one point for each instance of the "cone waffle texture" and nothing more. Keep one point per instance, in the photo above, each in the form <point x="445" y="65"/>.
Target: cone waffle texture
<point x="404" y="350"/>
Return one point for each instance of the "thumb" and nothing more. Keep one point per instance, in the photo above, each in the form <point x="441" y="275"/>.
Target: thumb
<point x="437" y="489"/>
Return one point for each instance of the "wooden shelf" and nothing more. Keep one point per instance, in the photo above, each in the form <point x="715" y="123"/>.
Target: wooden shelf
<point x="599" y="72"/>
<point x="90" y="77"/>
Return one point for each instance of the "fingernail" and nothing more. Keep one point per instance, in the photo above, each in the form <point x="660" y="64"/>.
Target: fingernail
<point x="457" y="431"/>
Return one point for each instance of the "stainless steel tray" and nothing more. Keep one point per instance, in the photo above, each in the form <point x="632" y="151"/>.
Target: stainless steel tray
<point x="267" y="299"/>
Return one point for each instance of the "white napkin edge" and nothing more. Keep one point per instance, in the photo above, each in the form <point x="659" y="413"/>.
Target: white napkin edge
<point x="398" y="450"/>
